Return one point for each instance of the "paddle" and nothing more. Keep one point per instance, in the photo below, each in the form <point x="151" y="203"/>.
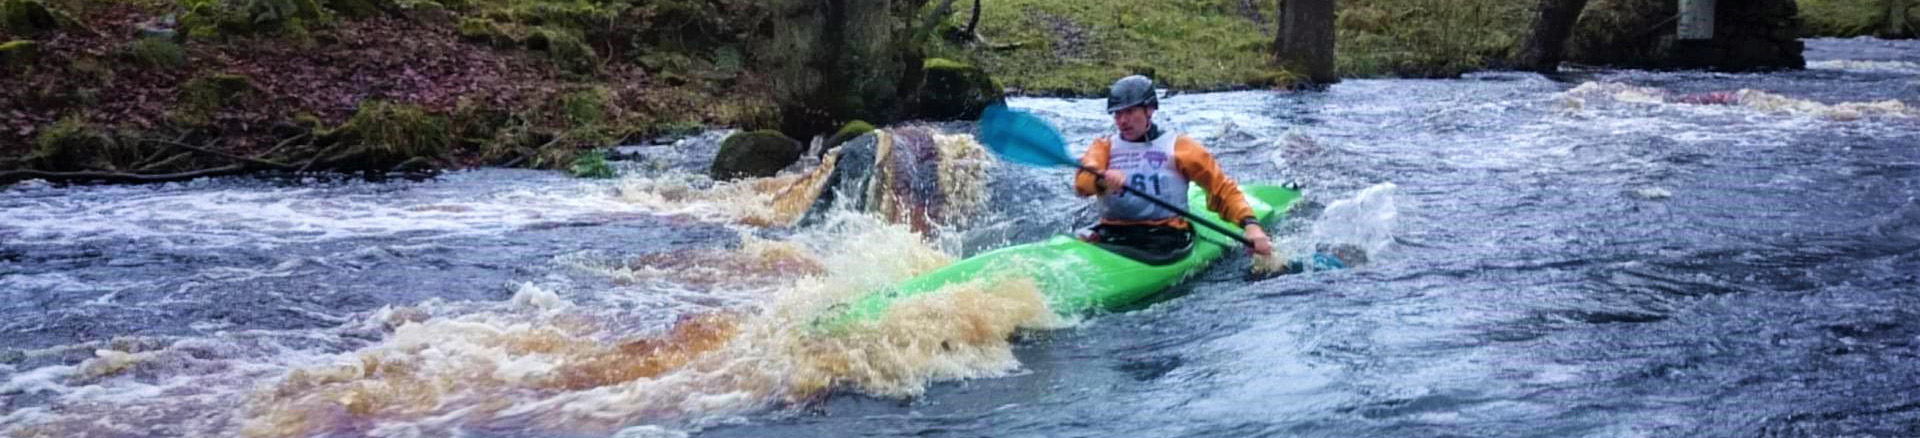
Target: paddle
<point x="1021" y="137"/>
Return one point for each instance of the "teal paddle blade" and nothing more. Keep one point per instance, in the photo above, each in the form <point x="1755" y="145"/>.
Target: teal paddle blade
<point x="1022" y="137"/>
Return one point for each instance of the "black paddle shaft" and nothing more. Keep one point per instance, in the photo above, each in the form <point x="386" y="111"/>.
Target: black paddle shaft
<point x="1182" y="212"/>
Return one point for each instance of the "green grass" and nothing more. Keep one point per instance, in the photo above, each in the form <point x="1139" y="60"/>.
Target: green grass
<point x="1081" y="46"/>
<point x="1842" y="18"/>
<point x="1427" y="38"/>
<point x="1216" y="44"/>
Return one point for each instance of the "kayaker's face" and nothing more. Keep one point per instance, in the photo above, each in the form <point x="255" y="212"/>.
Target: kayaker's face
<point x="1133" y="122"/>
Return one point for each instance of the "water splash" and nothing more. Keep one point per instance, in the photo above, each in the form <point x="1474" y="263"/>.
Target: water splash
<point x="550" y="364"/>
<point x="1354" y="231"/>
<point x="558" y="355"/>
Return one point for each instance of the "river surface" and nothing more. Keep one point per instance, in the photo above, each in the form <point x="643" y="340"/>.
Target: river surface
<point x="1594" y="254"/>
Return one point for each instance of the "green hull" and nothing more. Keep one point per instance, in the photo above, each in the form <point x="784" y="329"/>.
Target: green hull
<point x="1076" y="276"/>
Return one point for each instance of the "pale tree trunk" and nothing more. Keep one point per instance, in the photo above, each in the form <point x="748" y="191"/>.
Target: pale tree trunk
<point x="1546" y="44"/>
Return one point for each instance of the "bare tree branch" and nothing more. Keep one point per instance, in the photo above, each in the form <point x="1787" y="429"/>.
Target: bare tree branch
<point x="11" y="177"/>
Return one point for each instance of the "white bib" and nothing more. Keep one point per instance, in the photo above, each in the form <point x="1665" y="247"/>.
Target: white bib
<point x="1150" y="171"/>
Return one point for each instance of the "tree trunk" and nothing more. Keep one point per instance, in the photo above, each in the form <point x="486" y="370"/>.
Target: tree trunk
<point x="1304" y="43"/>
<point x="1897" y="25"/>
<point x="1547" y="43"/>
<point x="973" y="23"/>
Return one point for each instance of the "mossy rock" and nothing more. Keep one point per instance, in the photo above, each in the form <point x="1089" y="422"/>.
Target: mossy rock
<point x="26" y="17"/>
<point x="72" y="144"/>
<point x="210" y="18"/>
<point x="389" y="134"/>
<point x="567" y="50"/>
<point x="586" y="107"/>
<point x="154" y="52"/>
<point x="484" y="31"/>
<point x="203" y="96"/>
<point x="18" y="54"/>
<point x="355" y="8"/>
<point x="956" y="90"/>
<point x="852" y="130"/>
<point x="754" y="154"/>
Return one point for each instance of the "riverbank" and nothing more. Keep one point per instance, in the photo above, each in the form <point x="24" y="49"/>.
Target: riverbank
<point x="142" y="90"/>
<point x="155" y="87"/>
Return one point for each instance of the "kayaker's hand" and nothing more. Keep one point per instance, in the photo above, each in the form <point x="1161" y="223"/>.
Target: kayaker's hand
<point x="1261" y="247"/>
<point x="1112" y="181"/>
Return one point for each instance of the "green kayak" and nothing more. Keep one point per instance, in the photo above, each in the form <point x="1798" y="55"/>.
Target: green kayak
<point x="1077" y="276"/>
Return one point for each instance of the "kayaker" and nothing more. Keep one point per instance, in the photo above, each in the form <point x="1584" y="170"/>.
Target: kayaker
<point x="1158" y="164"/>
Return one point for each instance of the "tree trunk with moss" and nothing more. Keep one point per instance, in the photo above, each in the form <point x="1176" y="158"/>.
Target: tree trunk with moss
<point x="1546" y="44"/>
<point x="834" y="61"/>
<point x="1305" y="41"/>
<point x="1897" y="24"/>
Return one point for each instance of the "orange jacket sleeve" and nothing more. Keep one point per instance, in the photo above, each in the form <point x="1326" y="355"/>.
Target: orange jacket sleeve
<point x="1096" y="158"/>
<point x="1223" y="195"/>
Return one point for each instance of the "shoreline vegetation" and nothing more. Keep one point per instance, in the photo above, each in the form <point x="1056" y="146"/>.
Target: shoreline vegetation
<point x="158" y="90"/>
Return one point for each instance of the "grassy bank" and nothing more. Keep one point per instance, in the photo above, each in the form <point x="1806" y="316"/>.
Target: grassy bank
<point x="1850" y="18"/>
<point x="1078" y="47"/>
<point x="1428" y="38"/>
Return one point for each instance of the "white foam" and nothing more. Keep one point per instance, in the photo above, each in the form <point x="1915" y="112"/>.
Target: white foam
<point x="649" y="431"/>
<point x="534" y="297"/>
<point x="266" y="217"/>
<point x="1864" y="66"/>
<point x="48" y="378"/>
<point x="1652" y="193"/>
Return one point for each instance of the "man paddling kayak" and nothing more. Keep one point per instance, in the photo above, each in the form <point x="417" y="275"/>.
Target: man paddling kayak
<point x="1156" y="164"/>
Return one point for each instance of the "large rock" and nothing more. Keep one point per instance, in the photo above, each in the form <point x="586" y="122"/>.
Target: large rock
<point x="25" y="17"/>
<point x="754" y="154"/>
<point x="956" y="91"/>
<point x="1747" y="35"/>
<point x="832" y="61"/>
<point x="906" y="175"/>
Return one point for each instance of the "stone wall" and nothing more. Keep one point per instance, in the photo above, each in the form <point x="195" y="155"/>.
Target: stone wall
<point x="1747" y="35"/>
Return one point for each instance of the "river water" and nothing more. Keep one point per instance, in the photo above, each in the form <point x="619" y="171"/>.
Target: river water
<point x="1601" y="253"/>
